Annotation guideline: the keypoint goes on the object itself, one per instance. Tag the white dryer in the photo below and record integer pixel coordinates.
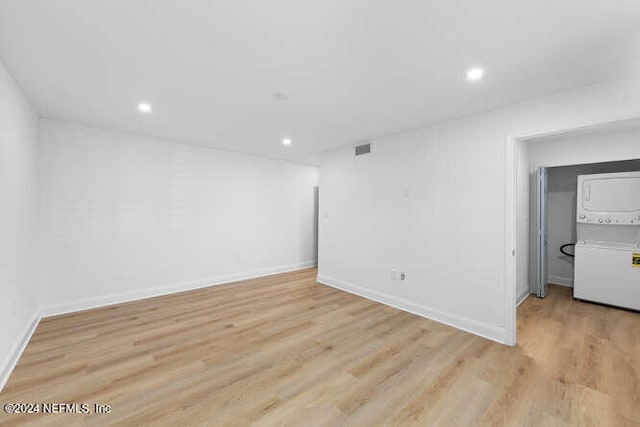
(607, 253)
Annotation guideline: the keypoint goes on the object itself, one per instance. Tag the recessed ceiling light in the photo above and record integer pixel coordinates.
(286, 141)
(475, 73)
(144, 107)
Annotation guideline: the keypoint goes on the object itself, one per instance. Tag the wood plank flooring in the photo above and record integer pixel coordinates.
(285, 350)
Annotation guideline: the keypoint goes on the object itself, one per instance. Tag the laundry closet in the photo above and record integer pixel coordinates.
(579, 214)
(593, 231)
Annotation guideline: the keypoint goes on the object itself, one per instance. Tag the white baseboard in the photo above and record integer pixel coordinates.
(476, 327)
(101, 301)
(523, 296)
(122, 297)
(562, 281)
(18, 348)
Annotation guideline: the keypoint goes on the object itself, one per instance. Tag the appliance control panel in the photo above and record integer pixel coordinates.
(604, 218)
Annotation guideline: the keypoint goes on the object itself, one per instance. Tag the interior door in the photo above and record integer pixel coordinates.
(316, 222)
(541, 229)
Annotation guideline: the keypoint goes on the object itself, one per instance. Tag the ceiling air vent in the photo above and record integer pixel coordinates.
(363, 149)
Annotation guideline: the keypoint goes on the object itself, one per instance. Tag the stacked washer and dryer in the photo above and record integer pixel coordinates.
(607, 251)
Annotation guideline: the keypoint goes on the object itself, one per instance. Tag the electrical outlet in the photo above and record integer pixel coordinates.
(394, 275)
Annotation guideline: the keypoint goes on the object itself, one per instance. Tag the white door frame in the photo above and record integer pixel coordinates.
(513, 144)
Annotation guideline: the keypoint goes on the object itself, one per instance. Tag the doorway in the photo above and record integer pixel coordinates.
(316, 222)
(594, 147)
(555, 209)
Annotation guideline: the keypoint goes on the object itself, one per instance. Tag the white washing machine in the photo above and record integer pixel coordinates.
(607, 253)
(605, 273)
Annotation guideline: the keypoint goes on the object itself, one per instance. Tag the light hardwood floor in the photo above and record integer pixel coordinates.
(285, 350)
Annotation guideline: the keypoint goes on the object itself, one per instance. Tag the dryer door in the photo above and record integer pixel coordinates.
(612, 198)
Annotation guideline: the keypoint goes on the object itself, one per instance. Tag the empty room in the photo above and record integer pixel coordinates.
(319, 213)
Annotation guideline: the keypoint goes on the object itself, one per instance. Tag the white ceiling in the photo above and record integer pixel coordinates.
(353, 69)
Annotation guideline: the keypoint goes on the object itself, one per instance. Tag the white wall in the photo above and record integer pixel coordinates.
(18, 208)
(561, 223)
(433, 202)
(583, 148)
(126, 216)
